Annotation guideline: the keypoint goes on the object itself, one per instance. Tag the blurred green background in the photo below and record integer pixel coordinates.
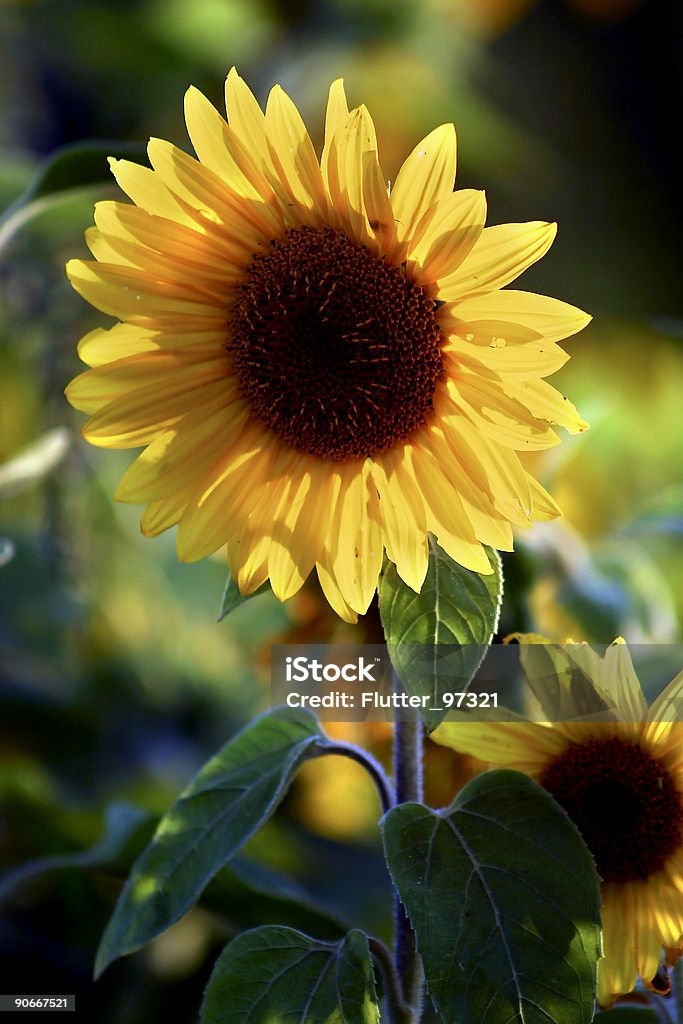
(116, 681)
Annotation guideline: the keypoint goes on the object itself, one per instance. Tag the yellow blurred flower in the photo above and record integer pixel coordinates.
(320, 370)
(621, 782)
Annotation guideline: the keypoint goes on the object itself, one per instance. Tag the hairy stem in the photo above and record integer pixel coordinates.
(408, 746)
(372, 766)
(399, 1013)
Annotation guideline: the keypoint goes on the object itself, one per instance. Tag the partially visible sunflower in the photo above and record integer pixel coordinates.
(319, 370)
(621, 782)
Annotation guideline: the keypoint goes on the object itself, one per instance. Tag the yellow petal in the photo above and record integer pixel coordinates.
(293, 155)
(447, 234)
(106, 345)
(169, 372)
(362, 196)
(332, 592)
(135, 419)
(620, 682)
(247, 223)
(545, 403)
(647, 939)
(248, 556)
(224, 499)
(551, 318)
(179, 457)
(502, 350)
(162, 515)
(487, 524)
(446, 517)
(215, 145)
(207, 249)
(504, 419)
(617, 971)
(125, 292)
(501, 254)
(336, 116)
(402, 511)
(273, 495)
(209, 278)
(523, 362)
(668, 913)
(300, 524)
(363, 182)
(523, 746)
(355, 538)
(105, 251)
(497, 472)
(377, 206)
(246, 118)
(148, 191)
(669, 704)
(426, 177)
(543, 507)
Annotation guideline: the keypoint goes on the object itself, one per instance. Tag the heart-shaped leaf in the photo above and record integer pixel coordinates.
(504, 900)
(438, 638)
(278, 974)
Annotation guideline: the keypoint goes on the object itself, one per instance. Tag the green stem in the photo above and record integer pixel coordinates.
(408, 746)
(399, 1013)
(677, 987)
(372, 766)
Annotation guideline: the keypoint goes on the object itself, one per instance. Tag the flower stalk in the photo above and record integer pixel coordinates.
(399, 1013)
(385, 790)
(408, 753)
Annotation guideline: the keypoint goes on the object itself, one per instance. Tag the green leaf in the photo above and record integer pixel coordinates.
(127, 829)
(504, 900)
(627, 1015)
(275, 974)
(233, 794)
(456, 608)
(73, 167)
(232, 598)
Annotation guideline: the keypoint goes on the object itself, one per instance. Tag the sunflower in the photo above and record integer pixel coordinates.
(620, 779)
(318, 369)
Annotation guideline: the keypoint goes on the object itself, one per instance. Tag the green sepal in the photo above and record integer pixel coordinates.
(232, 597)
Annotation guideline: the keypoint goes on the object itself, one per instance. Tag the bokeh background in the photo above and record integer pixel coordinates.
(116, 681)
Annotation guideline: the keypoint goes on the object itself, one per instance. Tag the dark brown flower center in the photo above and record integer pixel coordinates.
(336, 350)
(624, 803)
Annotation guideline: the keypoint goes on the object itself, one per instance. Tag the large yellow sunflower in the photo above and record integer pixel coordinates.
(320, 369)
(621, 782)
